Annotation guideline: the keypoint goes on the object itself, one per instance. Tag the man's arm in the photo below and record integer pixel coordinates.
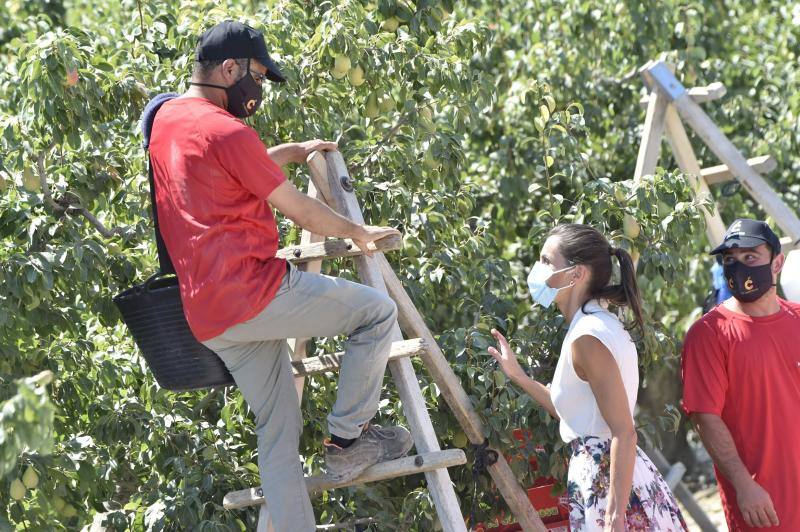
(315, 216)
(753, 500)
(297, 152)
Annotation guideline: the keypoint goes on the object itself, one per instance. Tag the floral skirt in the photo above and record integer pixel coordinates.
(651, 507)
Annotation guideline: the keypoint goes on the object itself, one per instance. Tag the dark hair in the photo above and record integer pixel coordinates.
(203, 69)
(583, 244)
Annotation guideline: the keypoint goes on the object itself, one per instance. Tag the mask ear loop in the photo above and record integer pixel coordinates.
(572, 282)
(246, 71)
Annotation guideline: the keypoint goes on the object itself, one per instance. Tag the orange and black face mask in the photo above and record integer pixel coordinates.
(244, 96)
(748, 283)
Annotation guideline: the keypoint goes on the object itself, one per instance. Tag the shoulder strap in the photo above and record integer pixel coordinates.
(148, 116)
(164, 261)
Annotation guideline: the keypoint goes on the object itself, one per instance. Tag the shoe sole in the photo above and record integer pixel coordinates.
(350, 475)
(401, 454)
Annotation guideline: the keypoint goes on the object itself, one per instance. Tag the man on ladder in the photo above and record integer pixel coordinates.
(741, 373)
(213, 179)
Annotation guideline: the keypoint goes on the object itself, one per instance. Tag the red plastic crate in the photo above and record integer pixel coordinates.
(553, 509)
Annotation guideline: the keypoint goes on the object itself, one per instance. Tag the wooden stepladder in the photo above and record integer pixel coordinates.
(669, 105)
(331, 184)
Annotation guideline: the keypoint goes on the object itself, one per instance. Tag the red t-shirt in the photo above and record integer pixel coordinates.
(747, 371)
(213, 176)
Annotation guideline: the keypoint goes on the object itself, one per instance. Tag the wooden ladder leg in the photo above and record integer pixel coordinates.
(264, 522)
(682, 493)
(297, 346)
(650, 148)
(332, 170)
(687, 162)
(413, 324)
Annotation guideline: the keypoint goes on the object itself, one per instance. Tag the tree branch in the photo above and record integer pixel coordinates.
(78, 207)
(48, 197)
(381, 143)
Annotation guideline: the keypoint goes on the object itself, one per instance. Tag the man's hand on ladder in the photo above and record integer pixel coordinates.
(369, 234)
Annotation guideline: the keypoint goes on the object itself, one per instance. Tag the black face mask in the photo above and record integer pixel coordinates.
(748, 283)
(244, 96)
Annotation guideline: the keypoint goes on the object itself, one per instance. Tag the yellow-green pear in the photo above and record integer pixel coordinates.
(30, 478)
(17, 490)
(356, 76)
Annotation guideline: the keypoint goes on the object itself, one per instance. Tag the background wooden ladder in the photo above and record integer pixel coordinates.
(331, 184)
(669, 105)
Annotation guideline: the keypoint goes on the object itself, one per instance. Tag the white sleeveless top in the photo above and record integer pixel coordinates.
(572, 396)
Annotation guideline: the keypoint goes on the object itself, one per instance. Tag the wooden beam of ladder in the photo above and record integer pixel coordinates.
(327, 363)
(335, 249)
(687, 161)
(721, 173)
(654, 125)
(330, 172)
(682, 493)
(662, 78)
(412, 322)
(408, 465)
(713, 91)
(297, 346)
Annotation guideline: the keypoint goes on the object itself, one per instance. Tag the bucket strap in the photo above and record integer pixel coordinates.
(165, 265)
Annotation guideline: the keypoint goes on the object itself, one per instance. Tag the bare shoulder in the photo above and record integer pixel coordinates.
(591, 357)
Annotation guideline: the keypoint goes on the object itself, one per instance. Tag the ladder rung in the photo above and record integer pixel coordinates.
(348, 525)
(408, 465)
(334, 249)
(713, 91)
(332, 362)
(721, 173)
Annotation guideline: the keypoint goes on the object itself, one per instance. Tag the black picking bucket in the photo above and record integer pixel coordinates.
(154, 314)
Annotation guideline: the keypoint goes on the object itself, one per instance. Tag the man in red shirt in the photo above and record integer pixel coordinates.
(214, 183)
(741, 376)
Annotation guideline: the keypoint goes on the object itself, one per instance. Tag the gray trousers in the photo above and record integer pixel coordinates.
(257, 355)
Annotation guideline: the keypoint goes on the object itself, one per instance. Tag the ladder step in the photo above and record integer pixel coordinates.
(334, 249)
(721, 173)
(409, 465)
(787, 245)
(332, 362)
(710, 92)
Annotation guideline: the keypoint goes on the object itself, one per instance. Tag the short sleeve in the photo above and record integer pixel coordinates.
(704, 371)
(245, 157)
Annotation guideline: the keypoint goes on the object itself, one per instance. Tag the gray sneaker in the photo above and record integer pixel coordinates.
(376, 444)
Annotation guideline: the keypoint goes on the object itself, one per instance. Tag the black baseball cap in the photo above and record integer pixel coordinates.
(234, 40)
(747, 233)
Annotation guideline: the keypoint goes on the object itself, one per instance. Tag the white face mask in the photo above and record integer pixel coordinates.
(537, 284)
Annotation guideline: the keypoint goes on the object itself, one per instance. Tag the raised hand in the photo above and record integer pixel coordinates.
(506, 357)
(310, 146)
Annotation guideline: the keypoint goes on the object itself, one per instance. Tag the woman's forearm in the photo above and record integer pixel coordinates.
(537, 390)
(623, 459)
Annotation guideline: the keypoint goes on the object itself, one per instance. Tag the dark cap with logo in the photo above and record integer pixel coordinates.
(747, 233)
(234, 40)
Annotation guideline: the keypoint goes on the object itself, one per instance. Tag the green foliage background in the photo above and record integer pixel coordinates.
(496, 121)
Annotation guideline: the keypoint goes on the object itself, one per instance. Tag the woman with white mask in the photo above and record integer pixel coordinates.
(612, 485)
